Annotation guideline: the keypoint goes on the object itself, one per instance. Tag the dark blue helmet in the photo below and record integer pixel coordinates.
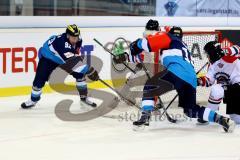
(176, 31)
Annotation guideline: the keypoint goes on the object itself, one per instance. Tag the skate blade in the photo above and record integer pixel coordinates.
(85, 105)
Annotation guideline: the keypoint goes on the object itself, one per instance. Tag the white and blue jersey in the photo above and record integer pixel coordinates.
(177, 59)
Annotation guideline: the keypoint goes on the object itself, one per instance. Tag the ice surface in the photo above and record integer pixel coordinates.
(37, 134)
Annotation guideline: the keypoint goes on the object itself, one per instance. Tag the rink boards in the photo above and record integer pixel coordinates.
(21, 40)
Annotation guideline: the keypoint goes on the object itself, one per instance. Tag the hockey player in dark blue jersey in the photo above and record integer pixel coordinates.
(179, 74)
(55, 52)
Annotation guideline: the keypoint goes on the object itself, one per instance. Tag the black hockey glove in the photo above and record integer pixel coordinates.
(135, 50)
(120, 58)
(92, 74)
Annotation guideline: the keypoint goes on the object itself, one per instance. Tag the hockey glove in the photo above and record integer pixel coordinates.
(120, 58)
(92, 74)
(134, 48)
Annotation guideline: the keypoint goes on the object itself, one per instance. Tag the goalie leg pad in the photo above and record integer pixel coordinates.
(216, 96)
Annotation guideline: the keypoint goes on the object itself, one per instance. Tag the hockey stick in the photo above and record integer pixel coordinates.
(73, 61)
(170, 103)
(119, 94)
(106, 49)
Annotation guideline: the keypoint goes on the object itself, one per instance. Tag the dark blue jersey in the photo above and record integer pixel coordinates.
(59, 49)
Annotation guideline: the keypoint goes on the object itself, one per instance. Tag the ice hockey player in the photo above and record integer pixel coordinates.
(179, 71)
(151, 28)
(224, 78)
(55, 52)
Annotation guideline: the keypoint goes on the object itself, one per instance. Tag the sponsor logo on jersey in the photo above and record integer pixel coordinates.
(68, 54)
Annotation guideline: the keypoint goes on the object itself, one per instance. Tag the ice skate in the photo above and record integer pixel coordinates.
(227, 124)
(28, 104)
(86, 100)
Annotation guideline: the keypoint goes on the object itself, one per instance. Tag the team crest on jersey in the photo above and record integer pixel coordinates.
(220, 65)
(222, 77)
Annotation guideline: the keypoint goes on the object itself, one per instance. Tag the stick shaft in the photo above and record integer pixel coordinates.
(119, 94)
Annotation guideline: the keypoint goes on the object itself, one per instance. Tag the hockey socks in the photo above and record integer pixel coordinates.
(36, 94)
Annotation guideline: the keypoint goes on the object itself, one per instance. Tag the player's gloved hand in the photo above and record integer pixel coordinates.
(120, 58)
(134, 48)
(92, 74)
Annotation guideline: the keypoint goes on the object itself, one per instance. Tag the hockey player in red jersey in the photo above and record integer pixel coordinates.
(224, 78)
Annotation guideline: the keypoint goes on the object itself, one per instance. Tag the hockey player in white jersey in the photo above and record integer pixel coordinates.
(224, 78)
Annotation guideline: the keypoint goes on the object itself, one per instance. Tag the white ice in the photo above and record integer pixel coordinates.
(37, 134)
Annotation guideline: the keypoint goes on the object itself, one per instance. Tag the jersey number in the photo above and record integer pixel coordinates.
(67, 45)
(186, 55)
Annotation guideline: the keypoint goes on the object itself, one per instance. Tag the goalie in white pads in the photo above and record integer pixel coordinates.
(224, 78)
